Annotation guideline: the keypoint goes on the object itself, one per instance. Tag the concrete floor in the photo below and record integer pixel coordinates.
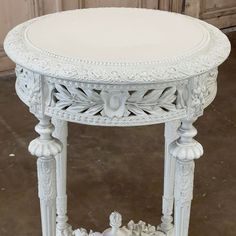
(121, 168)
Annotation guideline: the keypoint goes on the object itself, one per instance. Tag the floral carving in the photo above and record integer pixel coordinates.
(184, 179)
(198, 96)
(115, 103)
(132, 229)
(46, 178)
(104, 104)
(78, 100)
(203, 88)
(143, 229)
(64, 232)
(152, 101)
(83, 232)
(29, 84)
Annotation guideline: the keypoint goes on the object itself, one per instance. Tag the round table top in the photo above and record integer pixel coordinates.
(117, 35)
(117, 45)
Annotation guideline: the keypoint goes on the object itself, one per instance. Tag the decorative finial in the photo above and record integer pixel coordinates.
(115, 220)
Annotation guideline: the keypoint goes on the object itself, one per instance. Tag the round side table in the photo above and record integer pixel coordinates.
(116, 67)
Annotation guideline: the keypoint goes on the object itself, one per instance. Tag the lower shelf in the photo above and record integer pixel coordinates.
(132, 229)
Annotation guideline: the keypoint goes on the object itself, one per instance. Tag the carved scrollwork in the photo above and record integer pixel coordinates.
(116, 103)
(29, 88)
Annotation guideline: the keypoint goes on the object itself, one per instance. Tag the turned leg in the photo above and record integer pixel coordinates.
(61, 133)
(184, 150)
(45, 147)
(169, 178)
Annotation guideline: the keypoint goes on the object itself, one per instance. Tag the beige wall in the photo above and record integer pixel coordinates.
(12, 12)
(221, 13)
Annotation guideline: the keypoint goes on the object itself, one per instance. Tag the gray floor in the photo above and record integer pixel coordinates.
(121, 168)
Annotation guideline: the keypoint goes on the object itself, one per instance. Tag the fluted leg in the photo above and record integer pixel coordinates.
(169, 178)
(61, 132)
(45, 147)
(185, 150)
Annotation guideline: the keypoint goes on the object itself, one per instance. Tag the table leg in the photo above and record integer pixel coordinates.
(185, 150)
(61, 133)
(169, 178)
(45, 147)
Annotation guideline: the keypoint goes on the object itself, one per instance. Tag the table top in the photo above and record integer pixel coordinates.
(117, 35)
(117, 45)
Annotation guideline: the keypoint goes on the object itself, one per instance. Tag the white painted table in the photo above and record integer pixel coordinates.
(116, 67)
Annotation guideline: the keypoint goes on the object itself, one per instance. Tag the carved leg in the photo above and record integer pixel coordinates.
(61, 132)
(185, 150)
(45, 147)
(169, 178)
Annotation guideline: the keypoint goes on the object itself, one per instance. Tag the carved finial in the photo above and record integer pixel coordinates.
(115, 220)
(186, 148)
(45, 145)
(115, 223)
